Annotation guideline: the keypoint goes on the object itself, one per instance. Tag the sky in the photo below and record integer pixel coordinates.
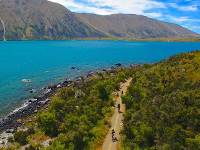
(183, 12)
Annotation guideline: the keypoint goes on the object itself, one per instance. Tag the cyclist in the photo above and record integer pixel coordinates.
(118, 106)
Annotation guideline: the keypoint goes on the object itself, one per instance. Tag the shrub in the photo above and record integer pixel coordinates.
(47, 122)
(21, 137)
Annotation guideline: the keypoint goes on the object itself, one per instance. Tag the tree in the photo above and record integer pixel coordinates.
(21, 137)
(47, 122)
(103, 93)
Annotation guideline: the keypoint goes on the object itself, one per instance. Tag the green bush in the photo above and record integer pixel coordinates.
(47, 122)
(163, 105)
(103, 93)
(21, 137)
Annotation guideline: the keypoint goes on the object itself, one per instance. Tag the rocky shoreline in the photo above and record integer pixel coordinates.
(29, 107)
(13, 120)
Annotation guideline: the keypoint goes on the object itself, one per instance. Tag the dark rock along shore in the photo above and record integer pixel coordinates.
(31, 106)
(11, 122)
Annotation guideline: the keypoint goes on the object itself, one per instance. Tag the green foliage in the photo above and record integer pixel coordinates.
(76, 115)
(193, 143)
(66, 93)
(21, 137)
(163, 104)
(47, 122)
(34, 147)
(57, 146)
(103, 93)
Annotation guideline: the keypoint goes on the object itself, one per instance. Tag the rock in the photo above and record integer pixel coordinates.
(32, 100)
(32, 90)
(73, 68)
(47, 142)
(59, 86)
(10, 131)
(90, 74)
(4, 137)
(52, 87)
(118, 65)
(112, 68)
(26, 80)
(44, 102)
(47, 91)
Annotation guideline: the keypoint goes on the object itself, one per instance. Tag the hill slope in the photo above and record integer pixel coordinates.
(40, 19)
(135, 26)
(163, 105)
(162, 110)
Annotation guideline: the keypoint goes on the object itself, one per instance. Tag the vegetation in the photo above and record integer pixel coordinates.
(162, 110)
(163, 104)
(194, 39)
(21, 136)
(77, 117)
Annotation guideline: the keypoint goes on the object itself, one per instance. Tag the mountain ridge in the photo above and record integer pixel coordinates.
(135, 26)
(41, 19)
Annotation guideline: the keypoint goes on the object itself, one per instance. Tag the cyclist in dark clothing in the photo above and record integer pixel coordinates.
(113, 131)
(113, 134)
(118, 106)
(114, 139)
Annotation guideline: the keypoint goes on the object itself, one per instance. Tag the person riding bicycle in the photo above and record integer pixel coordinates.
(114, 139)
(113, 131)
(118, 106)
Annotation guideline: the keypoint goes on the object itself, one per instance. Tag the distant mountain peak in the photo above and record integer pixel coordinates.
(41, 19)
(135, 26)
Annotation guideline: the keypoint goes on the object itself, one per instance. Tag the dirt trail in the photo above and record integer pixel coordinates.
(116, 120)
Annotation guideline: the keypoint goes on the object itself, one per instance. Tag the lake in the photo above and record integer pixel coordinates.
(49, 62)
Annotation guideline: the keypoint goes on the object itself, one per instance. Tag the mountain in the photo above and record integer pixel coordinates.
(134, 26)
(41, 19)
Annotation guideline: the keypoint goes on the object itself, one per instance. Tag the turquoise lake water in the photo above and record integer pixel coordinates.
(48, 62)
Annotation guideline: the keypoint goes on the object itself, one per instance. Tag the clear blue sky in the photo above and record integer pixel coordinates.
(182, 12)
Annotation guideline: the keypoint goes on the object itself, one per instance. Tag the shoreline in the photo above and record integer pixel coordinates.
(12, 121)
(175, 39)
(29, 107)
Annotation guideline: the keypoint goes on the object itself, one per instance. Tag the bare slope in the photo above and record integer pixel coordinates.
(135, 26)
(40, 19)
